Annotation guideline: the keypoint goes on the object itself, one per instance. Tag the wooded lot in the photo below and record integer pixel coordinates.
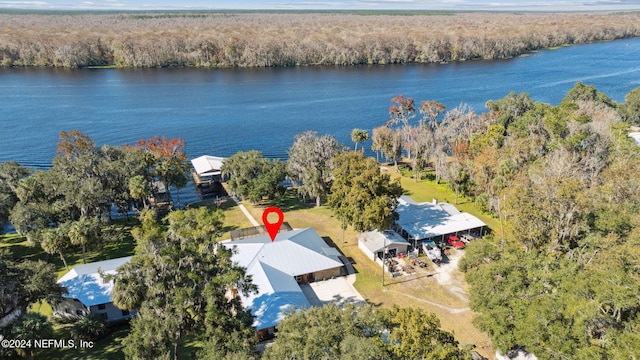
(228, 39)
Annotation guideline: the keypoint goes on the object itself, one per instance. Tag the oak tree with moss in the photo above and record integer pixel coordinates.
(178, 280)
(361, 195)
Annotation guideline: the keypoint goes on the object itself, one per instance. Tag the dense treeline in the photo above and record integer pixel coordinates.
(290, 39)
(563, 282)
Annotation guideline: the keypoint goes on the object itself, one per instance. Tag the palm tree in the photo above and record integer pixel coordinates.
(89, 328)
(53, 241)
(139, 188)
(31, 327)
(82, 232)
(358, 136)
(127, 294)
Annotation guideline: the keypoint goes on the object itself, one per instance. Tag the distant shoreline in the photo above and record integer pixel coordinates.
(204, 39)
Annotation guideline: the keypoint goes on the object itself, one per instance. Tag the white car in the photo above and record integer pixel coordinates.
(466, 238)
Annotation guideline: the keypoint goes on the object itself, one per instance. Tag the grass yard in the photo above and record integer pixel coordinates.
(109, 347)
(233, 217)
(424, 291)
(119, 242)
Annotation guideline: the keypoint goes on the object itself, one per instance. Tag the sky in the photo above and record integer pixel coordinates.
(540, 5)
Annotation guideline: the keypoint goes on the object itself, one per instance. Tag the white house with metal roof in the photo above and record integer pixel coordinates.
(278, 267)
(88, 293)
(433, 220)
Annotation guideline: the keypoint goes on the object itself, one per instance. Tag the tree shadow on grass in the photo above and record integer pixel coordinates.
(291, 201)
(11, 239)
(228, 228)
(223, 203)
(407, 278)
(23, 251)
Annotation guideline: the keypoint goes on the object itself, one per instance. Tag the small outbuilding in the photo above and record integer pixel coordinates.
(88, 293)
(374, 243)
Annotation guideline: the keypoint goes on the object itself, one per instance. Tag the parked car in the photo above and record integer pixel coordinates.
(466, 238)
(455, 242)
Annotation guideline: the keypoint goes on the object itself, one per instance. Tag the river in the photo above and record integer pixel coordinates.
(222, 111)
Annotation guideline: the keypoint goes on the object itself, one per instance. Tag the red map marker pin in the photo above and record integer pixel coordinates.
(272, 229)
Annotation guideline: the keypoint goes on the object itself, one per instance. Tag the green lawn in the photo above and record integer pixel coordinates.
(233, 217)
(119, 242)
(109, 347)
(299, 215)
(369, 274)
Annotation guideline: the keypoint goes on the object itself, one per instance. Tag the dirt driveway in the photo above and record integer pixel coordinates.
(442, 291)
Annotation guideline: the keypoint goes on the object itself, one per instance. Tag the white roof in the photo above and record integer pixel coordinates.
(84, 282)
(636, 137)
(273, 266)
(277, 293)
(375, 240)
(296, 252)
(428, 220)
(207, 165)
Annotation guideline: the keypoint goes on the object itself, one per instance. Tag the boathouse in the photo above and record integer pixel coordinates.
(207, 170)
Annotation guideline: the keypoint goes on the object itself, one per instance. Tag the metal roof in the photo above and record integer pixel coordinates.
(273, 266)
(428, 220)
(84, 282)
(277, 293)
(375, 240)
(296, 252)
(207, 165)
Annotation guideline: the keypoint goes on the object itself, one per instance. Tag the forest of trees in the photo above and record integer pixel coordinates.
(210, 39)
(563, 281)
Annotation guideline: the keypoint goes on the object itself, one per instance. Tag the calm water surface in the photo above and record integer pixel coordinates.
(222, 111)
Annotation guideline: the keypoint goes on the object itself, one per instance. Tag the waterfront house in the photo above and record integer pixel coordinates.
(278, 268)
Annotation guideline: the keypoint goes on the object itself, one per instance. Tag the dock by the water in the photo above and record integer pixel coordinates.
(207, 170)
